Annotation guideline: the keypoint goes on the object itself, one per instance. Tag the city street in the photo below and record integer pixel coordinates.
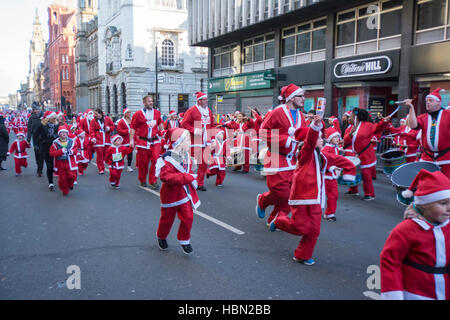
(111, 236)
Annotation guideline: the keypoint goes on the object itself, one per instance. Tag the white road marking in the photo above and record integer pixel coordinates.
(199, 213)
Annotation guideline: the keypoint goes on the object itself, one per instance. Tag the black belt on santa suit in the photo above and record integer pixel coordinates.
(428, 269)
(440, 153)
(152, 139)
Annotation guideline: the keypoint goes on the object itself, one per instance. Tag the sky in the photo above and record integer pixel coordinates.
(16, 29)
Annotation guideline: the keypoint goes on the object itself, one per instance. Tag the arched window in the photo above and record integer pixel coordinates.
(168, 53)
(108, 100)
(124, 96)
(116, 104)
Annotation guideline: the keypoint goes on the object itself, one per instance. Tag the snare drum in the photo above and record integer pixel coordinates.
(403, 176)
(358, 177)
(392, 160)
(237, 157)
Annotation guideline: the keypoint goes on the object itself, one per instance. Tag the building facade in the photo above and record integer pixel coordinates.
(354, 53)
(61, 54)
(86, 59)
(144, 49)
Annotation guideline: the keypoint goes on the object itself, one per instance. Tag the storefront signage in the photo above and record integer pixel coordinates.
(240, 83)
(363, 67)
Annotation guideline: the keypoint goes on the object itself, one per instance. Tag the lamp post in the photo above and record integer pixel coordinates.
(156, 74)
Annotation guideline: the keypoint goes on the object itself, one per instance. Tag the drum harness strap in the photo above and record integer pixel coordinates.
(363, 150)
(440, 154)
(428, 269)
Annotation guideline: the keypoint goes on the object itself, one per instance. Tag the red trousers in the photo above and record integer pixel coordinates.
(114, 176)
(186, 216)
(101, 152)
(82, 167)
(220, 175)
(202, 157)
(369, 190)
(331, 189)
(19, 163)
(305, 222)
(278, 195)
(66, 178)
(143, 159)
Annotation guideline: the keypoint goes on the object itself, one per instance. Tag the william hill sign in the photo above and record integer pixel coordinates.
(363, 67)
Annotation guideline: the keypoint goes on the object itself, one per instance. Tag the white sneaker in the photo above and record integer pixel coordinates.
(51, 186)
(130, 169)
(75, 183)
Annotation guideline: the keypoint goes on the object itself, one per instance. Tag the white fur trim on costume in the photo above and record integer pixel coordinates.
(432, 96)
(316, 128)
(349, 177)
(332, 136)
(159, 165)
(392, 295)
(296, 92)
(291, 131)
(433, 197)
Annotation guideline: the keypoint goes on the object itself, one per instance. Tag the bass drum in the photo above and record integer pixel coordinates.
(237, 157)
(402, 178)
(358, 177)
(392, 159)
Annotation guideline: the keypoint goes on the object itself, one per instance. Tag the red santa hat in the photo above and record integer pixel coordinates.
(125, 111)
(181, 115)
(291, 91)
(330, 133)
(431, 187)
(348, 114)
(63, 129)
(172, 112)
(282, 94)
(115, 137)
(50, 114)
(403, 120)
(20, 133)
(200, 95)
(435, 95)
(80, 133)
(175, 136)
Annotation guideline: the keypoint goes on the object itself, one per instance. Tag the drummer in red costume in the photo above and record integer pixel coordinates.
(360, 139)
(198, 120)
(435, 126)
(278, 130)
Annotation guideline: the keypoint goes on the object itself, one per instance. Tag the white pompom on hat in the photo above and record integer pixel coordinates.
(431, 187)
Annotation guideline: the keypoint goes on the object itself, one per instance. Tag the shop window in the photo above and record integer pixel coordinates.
(432, 20)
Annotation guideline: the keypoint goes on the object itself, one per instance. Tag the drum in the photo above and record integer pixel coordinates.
(392, 159)
(403, 176)
(358, 177)
(237, 157)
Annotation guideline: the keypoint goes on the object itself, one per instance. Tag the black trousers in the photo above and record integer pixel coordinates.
(45, 156)
(39, 160)
(130, 158)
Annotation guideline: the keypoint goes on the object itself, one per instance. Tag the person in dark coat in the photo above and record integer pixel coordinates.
(4, 142)
(44, 136)
(34, 122)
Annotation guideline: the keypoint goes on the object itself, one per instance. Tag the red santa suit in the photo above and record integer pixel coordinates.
(65, 162)
(278, 131)
(218, 165)
(178, 194)
(438, 151)
(242, 140)
(19, 149)
(411, 139)
(115, 159)
(307, 195)
(85, 125)
(170, 123)
(361, 143)
(199, 121)
(84, 155)
(146, 124)
(415, 261)
(101, 132)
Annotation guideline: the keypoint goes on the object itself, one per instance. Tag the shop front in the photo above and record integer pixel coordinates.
(368, 82)
(238, 93)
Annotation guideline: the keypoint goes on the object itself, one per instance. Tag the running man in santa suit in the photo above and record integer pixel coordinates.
(435, 126)
(278, 130)
(146, 126)
(198, 120)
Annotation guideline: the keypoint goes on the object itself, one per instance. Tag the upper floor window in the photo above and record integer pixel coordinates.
(168, 53)
(432, 21)
(304, 43)
(259, 49)
(372, 27)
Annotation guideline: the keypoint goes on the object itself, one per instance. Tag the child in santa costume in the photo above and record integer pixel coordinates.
(307, 195)
(19, 149)
(64, 151)
(332, 174)
(124, 129)
(178, 191)
(84, 155)
(115, 156)
(101, 128)
(415, 261)
(218, 166)
(172, 122)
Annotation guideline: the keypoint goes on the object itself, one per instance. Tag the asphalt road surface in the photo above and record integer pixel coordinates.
(110, 237)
